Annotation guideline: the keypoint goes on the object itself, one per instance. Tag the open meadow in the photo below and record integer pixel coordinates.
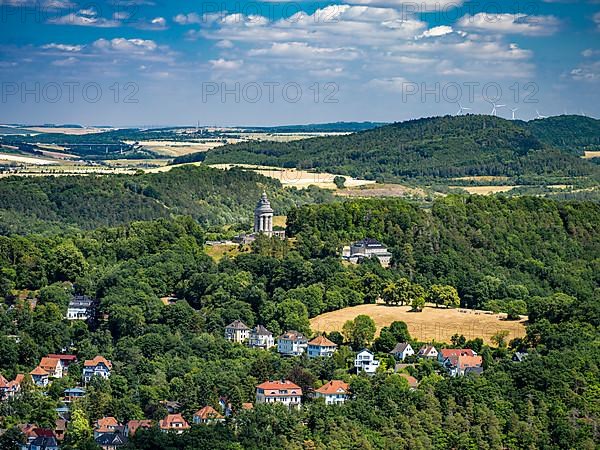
(432, 324)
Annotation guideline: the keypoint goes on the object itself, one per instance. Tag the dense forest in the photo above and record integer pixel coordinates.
(539, 252)
(440, 147)
(210, 196)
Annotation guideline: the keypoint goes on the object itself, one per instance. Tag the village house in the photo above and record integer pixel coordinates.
(367, 248)
(292, 343)
(133, 425)
(260, 337)
(321, 347)
(66, 360)
(365, 361)
(53, 366)
(445, 353)
(10, 389)
(105, 425)
(175, 423)
(413, 383)
(207, 415)
(280, 391)
(39, 377)
(111, 441)
(460, 361)
(402, 350)
(335, 392)
(72, 394)
(171, 406)
(38, 438)
(97, 367)
(43, 443)
(81, 307)
(519, 356)
(428, 351)
(237, 331)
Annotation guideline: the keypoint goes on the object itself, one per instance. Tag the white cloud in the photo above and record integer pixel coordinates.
(442, 30)
(303, 51)
(510, 24)
(64, 47)
(411, 7)
(85, 18)
(223, 64)
(589, 52)
(225, 43)
(135, 46)
(586, 72)
(65, 62)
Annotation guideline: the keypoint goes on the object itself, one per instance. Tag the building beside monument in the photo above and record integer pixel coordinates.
(367, 248)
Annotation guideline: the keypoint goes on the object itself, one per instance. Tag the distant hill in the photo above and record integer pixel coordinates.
(209, 195)
(335, 127)
(439, 147)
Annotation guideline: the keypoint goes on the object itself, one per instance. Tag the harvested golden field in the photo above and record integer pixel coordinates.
(485, 190)
(432, 324)
(218, 251)
(279, 221)
(72, 131)
(179, 148)
(590, 155)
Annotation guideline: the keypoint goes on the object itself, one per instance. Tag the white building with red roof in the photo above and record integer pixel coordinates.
(321, 347)
(53, 366)
(97, 367)
(335, 392)
(280, 391)
(208, 415)
(175, 423)
(10, 389)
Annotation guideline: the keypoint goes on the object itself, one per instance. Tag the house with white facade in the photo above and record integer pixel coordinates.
(40, 377)
(260, 337)
(81, 307)
(335, 392)
(365, 361)
(97, 367)
(292, 343)
(402, 350)
(367, 248)
(321, 347)
(428, 351)
(53, 366)
(280, 391)
(237, 331)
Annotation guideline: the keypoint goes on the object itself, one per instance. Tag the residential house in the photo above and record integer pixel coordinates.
(66, 360)
(237, 331)
(445, 353)
(134, 425)
(97, 367)
(519, 356)
(462, 361)
(39, 376)
(10, 389)
(43, 443)
(365, 361)
(53, 366)
(292, 343)
(367, 248)
(171, 406)
(207, 415)
(105, 425)
(335, 392)
(428, 351)
(111, 441)
(280, 391)
(175, 423)
(413, 383)
(81, 307)
(260, 337)
(402, 350)
(72, 394)
(321, 347)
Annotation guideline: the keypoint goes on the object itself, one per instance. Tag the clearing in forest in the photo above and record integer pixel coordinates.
(432, 324)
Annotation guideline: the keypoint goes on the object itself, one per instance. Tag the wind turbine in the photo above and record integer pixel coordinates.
(461, 108)
(513, 112)
(539, 116)
(494, 112)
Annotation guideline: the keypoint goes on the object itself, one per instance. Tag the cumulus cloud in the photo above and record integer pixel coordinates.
(411, 7)
(63, 47)
(85, 18)
(510, 24)
(303, 51)
(223, 64)
(139, 46)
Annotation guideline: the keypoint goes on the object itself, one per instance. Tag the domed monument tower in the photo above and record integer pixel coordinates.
(263, 216)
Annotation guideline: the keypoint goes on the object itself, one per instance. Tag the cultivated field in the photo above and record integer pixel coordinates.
(589, 155)
(298, 178)
(432, 324)
(382, 190)
(179, 148)
(484, 190)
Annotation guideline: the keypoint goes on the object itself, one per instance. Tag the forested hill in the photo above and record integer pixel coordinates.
(449, 146)
(210, 196)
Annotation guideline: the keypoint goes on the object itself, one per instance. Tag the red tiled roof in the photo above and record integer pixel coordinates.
(38, 371)
(168, 423)
(334, 387)
(106, 424)
(322, 341)
(70, 358)
(448, 352)
(412, 381)
(292, 335)
(469, 361)
(279, 388)
(133, 425)
(247, 406)
(3, 382)
(208, 412)
(97, 360)
(49, 363)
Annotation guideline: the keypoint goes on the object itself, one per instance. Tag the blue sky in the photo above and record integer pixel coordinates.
(144, 62)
